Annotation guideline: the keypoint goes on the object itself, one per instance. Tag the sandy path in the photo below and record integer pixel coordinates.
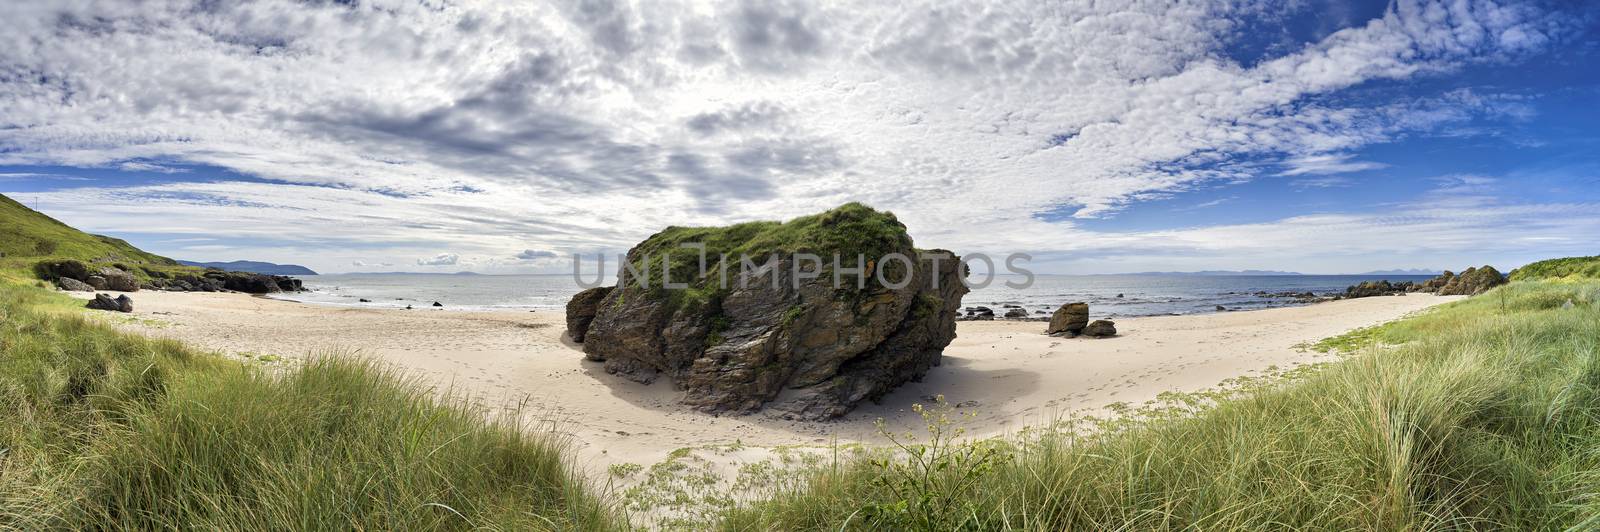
(1015, 375)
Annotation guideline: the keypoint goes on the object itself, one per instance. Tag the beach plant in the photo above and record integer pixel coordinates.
(101, 429)
(1480, 414)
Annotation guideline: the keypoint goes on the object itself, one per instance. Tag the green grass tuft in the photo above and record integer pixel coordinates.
(105, 430)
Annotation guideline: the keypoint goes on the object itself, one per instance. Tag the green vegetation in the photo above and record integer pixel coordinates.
(851, 229)
(1570, 268)
(105, 430)
(28, 237)
(1482, 414)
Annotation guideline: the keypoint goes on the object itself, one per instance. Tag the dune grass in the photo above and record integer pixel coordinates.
(1568, 268)
(1482, 414)
(105, 430)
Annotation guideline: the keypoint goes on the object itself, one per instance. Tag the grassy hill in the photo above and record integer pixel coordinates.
(1570, 268)
(28, 236)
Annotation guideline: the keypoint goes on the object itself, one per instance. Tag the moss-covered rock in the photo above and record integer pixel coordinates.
(736, 336)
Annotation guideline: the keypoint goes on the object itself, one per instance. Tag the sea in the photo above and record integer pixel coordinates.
(1108, 295)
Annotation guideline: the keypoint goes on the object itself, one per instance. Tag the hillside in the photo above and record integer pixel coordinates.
(28, 236)
(1563, 268)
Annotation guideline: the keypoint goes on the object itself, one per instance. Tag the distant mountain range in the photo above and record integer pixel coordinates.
(1219, 272)
(253, 267)
(1413, 271)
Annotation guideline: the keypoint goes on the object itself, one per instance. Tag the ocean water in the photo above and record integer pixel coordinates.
(1140, 295)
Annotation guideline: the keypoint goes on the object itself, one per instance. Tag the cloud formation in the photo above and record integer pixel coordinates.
(585, 125)
(442, 259)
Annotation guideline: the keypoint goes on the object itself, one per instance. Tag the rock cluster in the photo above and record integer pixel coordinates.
(1378, 288)
(804, 347)
(1072, 320)
(1472, 281)
(73, 275)
(122, 303)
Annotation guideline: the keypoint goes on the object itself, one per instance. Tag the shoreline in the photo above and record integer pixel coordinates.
(1008, 373)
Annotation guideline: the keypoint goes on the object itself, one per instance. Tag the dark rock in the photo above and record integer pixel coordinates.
(1433, 285)
(73, 285)
(1371, 289)
(1473, 281)
(438, 304)
(364, 300)
(104, 302)
(51, 270)
(119, 280)
(808, 350)
(1119, 296)
(1100, 329)
(1070, 317)
(96, 281)
(408, 307)
(581, 310)
(1016, 313)
(1221, 308)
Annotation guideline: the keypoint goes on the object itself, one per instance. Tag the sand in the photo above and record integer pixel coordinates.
(1007, 373)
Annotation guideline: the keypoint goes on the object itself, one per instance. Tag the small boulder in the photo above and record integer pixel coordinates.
(438, 304)
(1100, 329)
(1016, 313)
(1221, 308)
(104, 302)
(1071, 317)
(365, 300)
(73, 285)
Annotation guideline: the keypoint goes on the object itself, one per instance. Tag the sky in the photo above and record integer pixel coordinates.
(1098, 137)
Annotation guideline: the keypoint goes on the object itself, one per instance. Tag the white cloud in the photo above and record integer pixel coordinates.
(442, 259)
(488, 126)
(1326, 164)
(534, 254)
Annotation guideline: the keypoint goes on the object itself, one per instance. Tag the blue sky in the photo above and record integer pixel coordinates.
(1321, 137)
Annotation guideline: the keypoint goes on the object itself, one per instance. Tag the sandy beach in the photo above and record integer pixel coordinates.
(1008, 373)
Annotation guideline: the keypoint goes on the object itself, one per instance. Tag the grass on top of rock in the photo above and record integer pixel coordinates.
(849, 230)
(101, 429)
(1570, 268)
(1481, 414)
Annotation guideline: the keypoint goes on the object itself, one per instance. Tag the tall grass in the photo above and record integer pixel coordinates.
(1481, 414)
(100, 429)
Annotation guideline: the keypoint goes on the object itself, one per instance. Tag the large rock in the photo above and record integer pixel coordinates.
(1473, 281)
(1433, 285)
(1070, 318)
(118, 280)
(104, 302)
(581, 310)
(1371, 289)
(1100, 329)
(806, 348)
(73, 285)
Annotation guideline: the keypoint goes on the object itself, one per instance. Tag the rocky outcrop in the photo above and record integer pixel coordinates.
(1433, 285)
(122, 303)
(1070, 318)
(768, 338)
(581, 310)
(73, 285)
(1100, 329)
(1473, 281)
(1377, 288)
